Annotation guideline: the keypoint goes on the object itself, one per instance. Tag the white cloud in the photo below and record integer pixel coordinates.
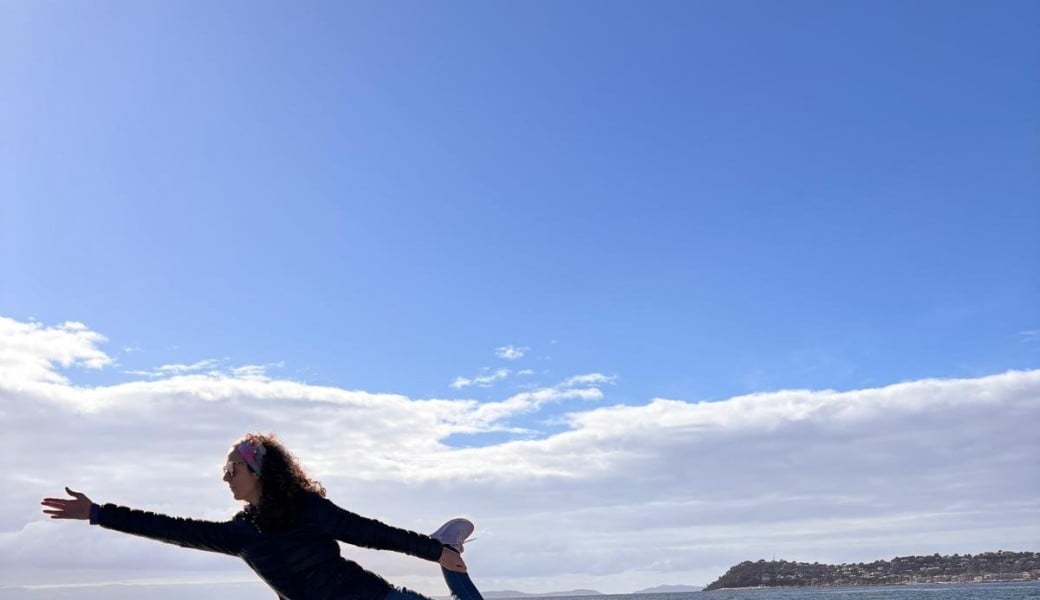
(620, 497)
(510, 352)
(589, 379)
(1030, 335)
(486, 380)
(202, 365)
(256, 371)
(32, 351)
(210, 365)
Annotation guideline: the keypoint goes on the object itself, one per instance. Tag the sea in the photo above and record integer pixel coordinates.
(974, 591)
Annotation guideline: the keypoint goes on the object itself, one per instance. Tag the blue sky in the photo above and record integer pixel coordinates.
(690, 200)
(703, 198)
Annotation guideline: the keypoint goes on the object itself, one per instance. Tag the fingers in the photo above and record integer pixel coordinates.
(69, 491)
(57, 512)
(59, 501)
(452, 561)
(56, 507)
(64, 508)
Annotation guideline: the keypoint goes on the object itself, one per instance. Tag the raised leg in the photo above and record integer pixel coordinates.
(401, 593)
(461, 585)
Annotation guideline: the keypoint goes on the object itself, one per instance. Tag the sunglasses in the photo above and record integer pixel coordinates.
(229, 467)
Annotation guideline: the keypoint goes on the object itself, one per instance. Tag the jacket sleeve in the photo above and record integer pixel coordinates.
(224, 537)
(354, 529)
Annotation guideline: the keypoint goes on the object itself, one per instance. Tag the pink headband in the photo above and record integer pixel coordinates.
(252, 452)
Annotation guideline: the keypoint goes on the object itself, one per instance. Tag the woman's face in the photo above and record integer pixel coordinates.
(244, 484)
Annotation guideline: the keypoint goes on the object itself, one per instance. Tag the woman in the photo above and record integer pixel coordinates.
(288, 530)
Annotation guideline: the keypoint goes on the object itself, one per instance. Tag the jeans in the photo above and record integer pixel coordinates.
(460, 584)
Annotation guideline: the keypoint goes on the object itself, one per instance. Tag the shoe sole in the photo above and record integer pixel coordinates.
(467, 527)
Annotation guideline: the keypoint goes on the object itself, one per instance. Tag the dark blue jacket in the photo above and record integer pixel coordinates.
(300, 563)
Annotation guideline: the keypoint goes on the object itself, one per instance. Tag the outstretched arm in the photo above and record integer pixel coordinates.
(369, 533)
(225, 537)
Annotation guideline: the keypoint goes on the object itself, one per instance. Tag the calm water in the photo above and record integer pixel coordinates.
(252, 591)
(978, 591)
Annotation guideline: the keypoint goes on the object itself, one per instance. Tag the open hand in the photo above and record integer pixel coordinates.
(452, 561)
(61, 508)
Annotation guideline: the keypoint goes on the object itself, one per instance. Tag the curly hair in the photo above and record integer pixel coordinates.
(284, 484)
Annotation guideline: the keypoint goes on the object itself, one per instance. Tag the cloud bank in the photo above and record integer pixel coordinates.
(612, 496)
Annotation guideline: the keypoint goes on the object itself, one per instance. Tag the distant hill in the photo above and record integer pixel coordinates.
(499, 594)
(658, 589)
(989, 566)
(669, 589)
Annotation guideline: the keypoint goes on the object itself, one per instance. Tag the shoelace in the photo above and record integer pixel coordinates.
(458, 547)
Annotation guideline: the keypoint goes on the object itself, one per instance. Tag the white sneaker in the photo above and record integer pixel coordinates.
(454, 533)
